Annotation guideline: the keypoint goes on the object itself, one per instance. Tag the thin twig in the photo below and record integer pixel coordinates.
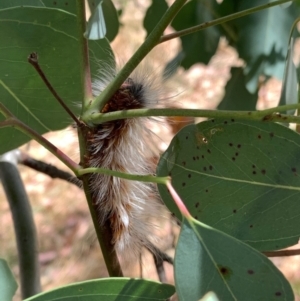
(33, 60)
(218, 21)
(48, 169)
(282, 253)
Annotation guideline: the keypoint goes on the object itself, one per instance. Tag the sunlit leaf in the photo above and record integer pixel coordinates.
(8, 284)
(240, 177)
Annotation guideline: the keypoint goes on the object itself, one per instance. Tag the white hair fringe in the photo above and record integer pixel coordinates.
(125, 145)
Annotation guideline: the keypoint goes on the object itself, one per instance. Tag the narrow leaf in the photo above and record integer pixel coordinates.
(289, 91)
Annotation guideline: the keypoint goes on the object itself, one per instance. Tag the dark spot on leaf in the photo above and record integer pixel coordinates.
(253, 166)
(206, 190)
(232, 120)
(208, 151)
(170, 173)
(54, 2)
(66, 3)
(284, 118)
(234, 210)
(198, 147)
(225, 122)
(294, 169)
(271, 135)
(254, 172)
(202, 156)
(195, 216)
(225, 271)
(210, 167)
(186, 137)
(212, 120)
(278, 294)
(80, 289)
(233, 158)
(259, 136)
(236, 154)
(249, 113)
(204, 168)
(204, 140)
(250, 272)
(183, 163)
(239, 146)
(197, 157)
(189, 175)
(263, 171)
(251, 226)
(194, 158)
(197, 205)
(230, 144)
(183, 184)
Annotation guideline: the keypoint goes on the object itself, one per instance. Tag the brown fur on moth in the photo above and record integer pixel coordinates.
(125, 145)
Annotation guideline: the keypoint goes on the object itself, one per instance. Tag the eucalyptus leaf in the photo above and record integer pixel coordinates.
(53, 35)
(237, 97)
(289, 91)
(209, 260)
(8, 284)
(110, 289)
(240, 177)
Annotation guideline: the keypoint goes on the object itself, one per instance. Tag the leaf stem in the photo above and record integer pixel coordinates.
(118, 174)
(269, 115)
(84, 49)
(152, 40)
(33, 60)
(220, 20)
(282, 253)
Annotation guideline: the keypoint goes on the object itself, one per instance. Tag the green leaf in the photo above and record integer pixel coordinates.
(8, 284)
(289, 91)
(240, 177)
(200, 46)
(53, 35)
(110, 15)
(263, 48)
(209, 260)
(237, 97)
(111, 289)
(15, 3)
(154, 14)
(66, 5)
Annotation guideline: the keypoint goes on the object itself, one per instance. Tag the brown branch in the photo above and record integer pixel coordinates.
(48, 169)
(33, 60)
(282, 253)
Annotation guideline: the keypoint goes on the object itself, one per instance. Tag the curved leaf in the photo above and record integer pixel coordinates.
(8, 284)
(53, 35)
(263, 40)
(154, 14)
(237, 97)
(111, 289)
(200, 46)
(209, 260)
(240, 177)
